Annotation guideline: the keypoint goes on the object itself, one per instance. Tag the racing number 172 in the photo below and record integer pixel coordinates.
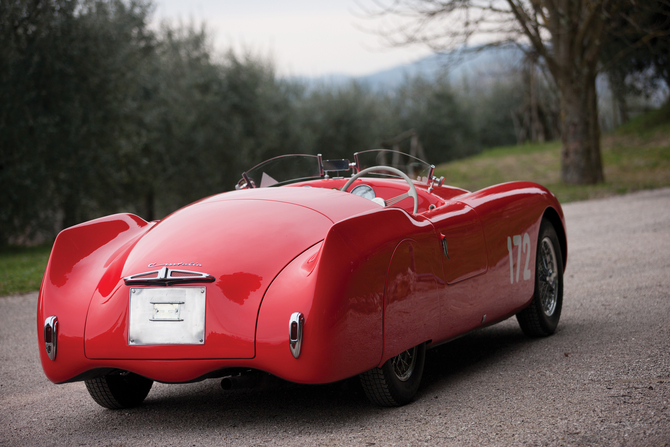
(524, 245)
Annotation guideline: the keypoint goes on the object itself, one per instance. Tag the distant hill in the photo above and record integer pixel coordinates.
(455, 65)
(484, 67)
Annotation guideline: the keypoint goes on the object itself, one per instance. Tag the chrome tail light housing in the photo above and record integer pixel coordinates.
(295, 327)
(51, 336)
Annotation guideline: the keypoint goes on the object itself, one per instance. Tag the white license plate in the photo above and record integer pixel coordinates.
(167, 316)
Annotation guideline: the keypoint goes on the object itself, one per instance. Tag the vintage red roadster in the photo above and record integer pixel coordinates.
(312, 271)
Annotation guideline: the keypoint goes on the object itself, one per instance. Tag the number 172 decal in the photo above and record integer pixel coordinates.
(523, 244)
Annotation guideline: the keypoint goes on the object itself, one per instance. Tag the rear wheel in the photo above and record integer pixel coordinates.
(397, 381)
(116, 391)
(541, 316)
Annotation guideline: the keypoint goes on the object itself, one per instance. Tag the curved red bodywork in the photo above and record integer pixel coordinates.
(370, 281)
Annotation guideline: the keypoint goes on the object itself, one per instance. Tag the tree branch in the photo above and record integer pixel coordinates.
(591, 27)
(535, 38)
(630, 48)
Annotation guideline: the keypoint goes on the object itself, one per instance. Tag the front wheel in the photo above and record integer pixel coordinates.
(541, 316)
(116, 391)
(397, 381)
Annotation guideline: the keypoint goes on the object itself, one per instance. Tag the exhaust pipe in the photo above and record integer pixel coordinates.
(243, 380)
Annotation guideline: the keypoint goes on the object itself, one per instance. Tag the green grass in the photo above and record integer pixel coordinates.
(647, 124)
(636, 156)
(21, 268)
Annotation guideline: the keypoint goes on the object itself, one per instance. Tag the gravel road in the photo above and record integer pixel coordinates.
(602, 379)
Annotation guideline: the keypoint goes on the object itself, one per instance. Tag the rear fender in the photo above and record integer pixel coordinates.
(342, 300)
(412, 297)
(555, 216)
(356, 279)
(84, 258)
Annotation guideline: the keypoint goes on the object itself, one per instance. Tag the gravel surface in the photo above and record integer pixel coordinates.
(602, 379)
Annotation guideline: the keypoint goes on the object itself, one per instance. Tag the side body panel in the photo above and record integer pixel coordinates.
(465, 264)
(460, 228)
(510, 214)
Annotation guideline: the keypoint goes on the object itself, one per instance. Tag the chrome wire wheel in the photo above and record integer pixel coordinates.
(403, 364)
(540, 317)
(396, 382)
(548, 281)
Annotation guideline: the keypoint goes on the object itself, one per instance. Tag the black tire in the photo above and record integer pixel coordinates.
(116, 391)
(397, 381)
(541, 316)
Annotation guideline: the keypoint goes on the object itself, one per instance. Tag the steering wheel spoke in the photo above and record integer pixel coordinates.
(397, 199)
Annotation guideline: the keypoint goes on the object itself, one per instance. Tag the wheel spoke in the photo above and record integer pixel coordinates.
(403, 364)
(547, 276)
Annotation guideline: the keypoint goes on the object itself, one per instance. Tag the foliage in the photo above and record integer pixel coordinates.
(100, 114)
(636, 53)
(649, 124)
(338, 121)
(67, 71)
(202, 122)
(432, 108)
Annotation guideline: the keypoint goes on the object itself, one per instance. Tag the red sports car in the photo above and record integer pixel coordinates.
(301, 273)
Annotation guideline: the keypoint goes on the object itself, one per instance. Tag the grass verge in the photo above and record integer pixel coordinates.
(21, 268)
(635, 157)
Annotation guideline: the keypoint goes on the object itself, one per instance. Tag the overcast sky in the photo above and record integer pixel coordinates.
(302, 37)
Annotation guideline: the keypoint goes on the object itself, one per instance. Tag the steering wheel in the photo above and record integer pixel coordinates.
(411, 192)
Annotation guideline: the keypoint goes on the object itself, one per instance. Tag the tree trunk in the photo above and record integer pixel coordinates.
(70, 209)
(537, 128)
(149, 205)
(617, 80)
(580, 156)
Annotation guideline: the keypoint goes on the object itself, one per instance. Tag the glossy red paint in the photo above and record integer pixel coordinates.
(370, 281)
(81, 262)
(244, 268)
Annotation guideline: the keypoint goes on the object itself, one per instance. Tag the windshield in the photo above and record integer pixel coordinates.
(281, 170)
(415, 168)
(293, 168)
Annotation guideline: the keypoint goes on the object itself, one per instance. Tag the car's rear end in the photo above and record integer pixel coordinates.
(182, 299)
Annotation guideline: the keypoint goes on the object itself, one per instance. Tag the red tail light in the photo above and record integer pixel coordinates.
(48, 332)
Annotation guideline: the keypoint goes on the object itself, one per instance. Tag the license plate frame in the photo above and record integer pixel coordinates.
(167, 316)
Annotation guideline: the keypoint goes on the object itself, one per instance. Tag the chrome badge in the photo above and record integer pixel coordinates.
(167, 277)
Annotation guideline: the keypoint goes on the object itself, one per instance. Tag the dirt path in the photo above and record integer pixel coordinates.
(602, 379)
